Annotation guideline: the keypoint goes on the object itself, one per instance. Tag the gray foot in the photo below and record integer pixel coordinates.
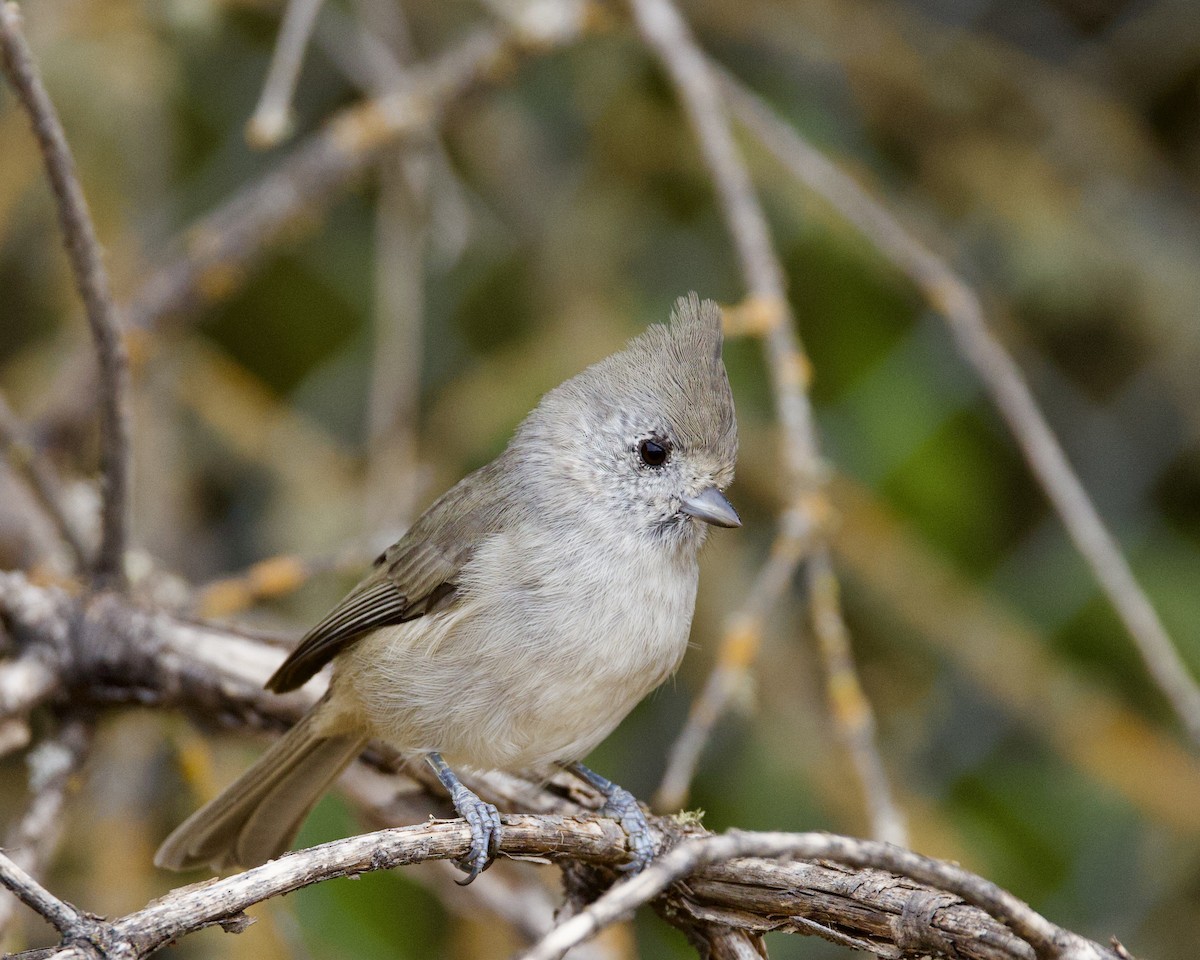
(482, 817)
(623, 807)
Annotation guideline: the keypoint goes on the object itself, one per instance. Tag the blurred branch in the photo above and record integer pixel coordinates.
(665, 31)
(91, 280)
(223, 247)
(42, 480)
(1008, 662)
(371, 50)
(25, 682)
(271, 579)
(30, 843)
(401, 242)
(735, 656)
(963, 312)
(271, 121)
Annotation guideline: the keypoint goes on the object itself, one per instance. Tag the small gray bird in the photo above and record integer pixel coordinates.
(524, 614)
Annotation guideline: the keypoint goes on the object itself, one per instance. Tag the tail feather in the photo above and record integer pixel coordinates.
(258, 816)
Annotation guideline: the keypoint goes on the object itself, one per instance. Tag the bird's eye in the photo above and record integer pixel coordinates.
(653, 452)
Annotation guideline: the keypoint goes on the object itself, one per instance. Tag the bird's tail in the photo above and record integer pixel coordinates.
(258, 816)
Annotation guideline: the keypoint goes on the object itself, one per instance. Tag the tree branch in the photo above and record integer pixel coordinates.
(272, 118)
(894, 906)
(31, 842)
(109, 651)
(1048, 941)
(221, 248)
(42, 480)
(25, 888)
(91, 279)
(665, 31)
(959, 305)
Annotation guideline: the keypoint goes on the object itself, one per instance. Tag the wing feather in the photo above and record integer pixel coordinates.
(415, 576)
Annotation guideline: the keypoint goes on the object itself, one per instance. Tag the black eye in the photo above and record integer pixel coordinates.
(653, 453)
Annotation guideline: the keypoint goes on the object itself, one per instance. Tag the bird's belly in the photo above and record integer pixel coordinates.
(541, 672)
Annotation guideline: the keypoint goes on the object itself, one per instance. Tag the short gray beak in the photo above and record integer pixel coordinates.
(711, 506)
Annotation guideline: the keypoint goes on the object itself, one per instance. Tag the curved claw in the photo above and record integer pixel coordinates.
(481, 817)
(623, 807)
(484, 820)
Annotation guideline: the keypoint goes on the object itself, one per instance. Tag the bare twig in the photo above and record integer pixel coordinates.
(91, 279)
(401, 243)
(372, 50)
(31, 841)
(1049, 942)
(668, 35)
(61, 914)
(1008, 661)
(273, 577)
(737, 652)
(271, 121)
(963, 312)
(42, 480)
(223, 246)
(283, 574)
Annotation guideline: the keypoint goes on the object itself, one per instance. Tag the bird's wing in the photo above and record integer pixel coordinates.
(415, 576)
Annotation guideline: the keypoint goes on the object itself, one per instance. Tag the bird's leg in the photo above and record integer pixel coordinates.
(481, 817)
(623, 807)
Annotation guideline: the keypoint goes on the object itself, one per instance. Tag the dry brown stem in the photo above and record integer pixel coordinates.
(960, 306)
(272, 118)
(91, 279)
(221, 249)
(665, 31)
(42, 479)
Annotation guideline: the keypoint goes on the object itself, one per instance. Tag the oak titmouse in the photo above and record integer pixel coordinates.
(525, 613)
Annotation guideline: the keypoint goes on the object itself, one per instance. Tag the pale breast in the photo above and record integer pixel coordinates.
(556, 640)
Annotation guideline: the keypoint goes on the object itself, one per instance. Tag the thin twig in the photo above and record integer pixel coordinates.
(1007, 661)
(42, 480)
(1048, 941)
(401, 244)
(372, 50)
(58, 912)
(665, 31)
(958, 303)
(271, 121)
(285, 573)
(223, 247)
(31, 841)
(91, 280)
(736, 654)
